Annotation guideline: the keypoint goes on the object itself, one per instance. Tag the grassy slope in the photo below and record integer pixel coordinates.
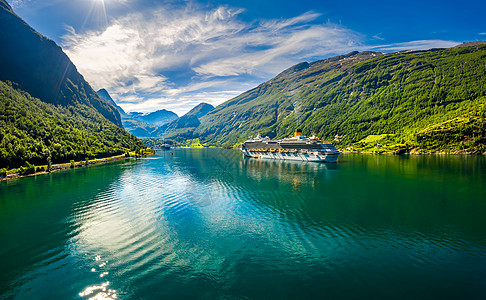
(405, 95)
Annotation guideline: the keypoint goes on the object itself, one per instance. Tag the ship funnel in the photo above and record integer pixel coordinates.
(298, 133)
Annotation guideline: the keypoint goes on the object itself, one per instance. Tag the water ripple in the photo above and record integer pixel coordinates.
(194, 225)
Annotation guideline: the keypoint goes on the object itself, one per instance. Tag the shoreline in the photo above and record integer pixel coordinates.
(98, 161)
(64, 166)
(411, 153)
(356, 152)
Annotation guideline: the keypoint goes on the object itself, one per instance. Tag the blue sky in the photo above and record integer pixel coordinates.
(152, 54)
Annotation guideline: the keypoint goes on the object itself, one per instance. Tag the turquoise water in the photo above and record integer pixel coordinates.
(210, 224)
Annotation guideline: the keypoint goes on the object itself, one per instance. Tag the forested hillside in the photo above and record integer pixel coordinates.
(425, 101)
(42, 69)
(48, 112)
(37, 132)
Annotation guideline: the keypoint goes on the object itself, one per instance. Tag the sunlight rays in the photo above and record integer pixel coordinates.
(96, 15)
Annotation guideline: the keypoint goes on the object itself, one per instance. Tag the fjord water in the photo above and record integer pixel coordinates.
(211, 224)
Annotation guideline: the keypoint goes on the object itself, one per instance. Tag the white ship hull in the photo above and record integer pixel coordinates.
(310, 156)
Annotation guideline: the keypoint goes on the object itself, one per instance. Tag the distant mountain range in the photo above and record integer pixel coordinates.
(410, 101)
(183, 126)
(48, 112)
(157, 118)
(146, 125)
(156, 123)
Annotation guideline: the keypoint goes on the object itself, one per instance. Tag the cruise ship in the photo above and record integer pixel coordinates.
(296, 148)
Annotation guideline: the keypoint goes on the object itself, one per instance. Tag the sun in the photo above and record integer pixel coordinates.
(102, 2)
(96, 16)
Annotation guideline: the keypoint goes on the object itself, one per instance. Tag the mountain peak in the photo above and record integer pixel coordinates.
(6, 6)
(158, 118)
(476, 43)
(296, 68)
(102, 91)
(200, 110)
(106, 96)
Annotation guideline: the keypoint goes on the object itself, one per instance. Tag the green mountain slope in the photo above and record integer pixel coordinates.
(183, 127)
(200, 110)
(279, 100)
(106, 96)
(34, 131)
(42, 69)
(405, 96)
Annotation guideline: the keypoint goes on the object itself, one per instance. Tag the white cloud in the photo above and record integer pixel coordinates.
(414, 45)
(482, 33)
(213, 54)
(134, 55)
(17, 3)
(378, 37)
(280, 51)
